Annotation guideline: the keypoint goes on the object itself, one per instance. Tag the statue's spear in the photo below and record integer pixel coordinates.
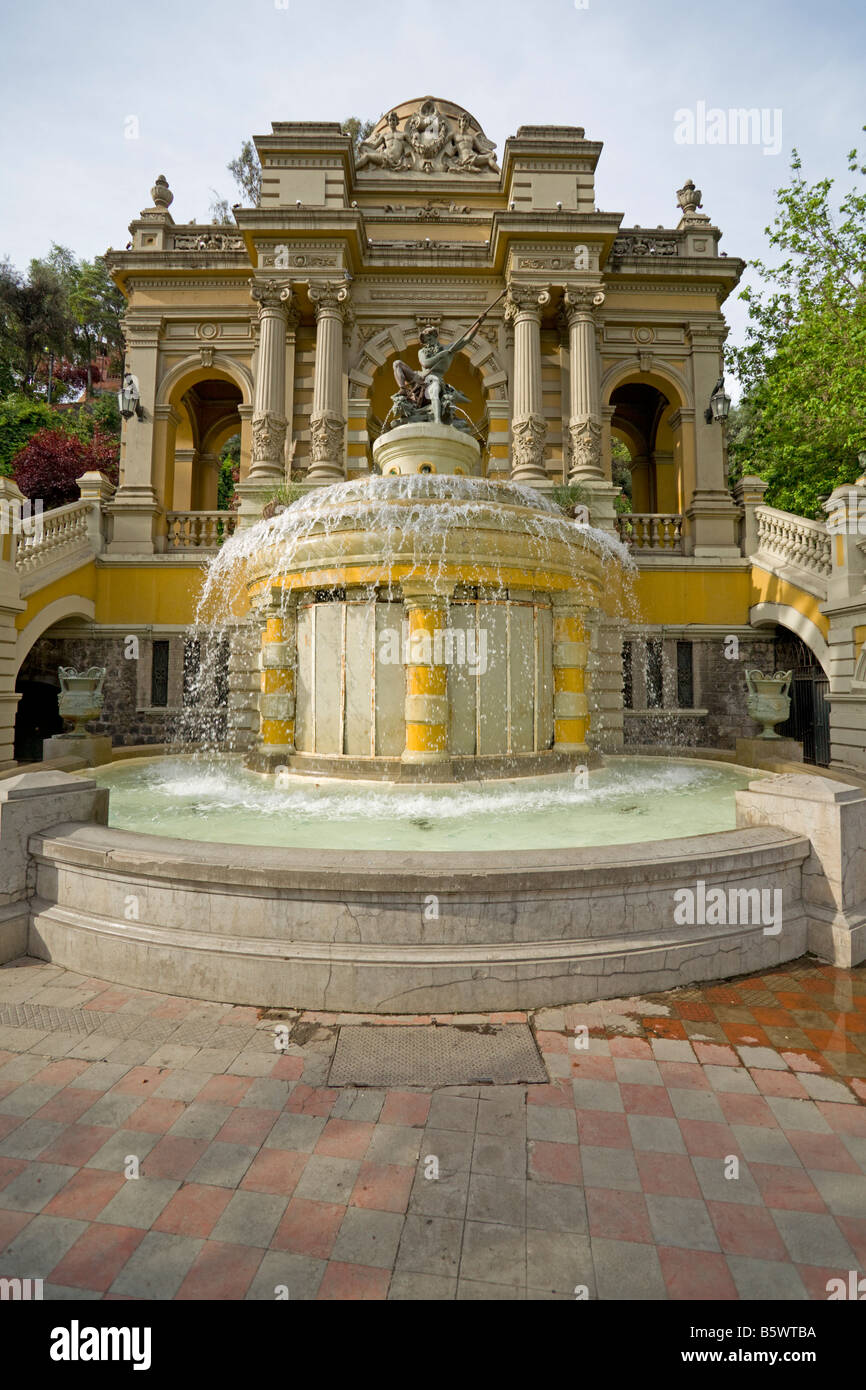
(478, 322)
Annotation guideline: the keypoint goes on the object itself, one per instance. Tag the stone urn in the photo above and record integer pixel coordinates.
(769, 702)
(80, 697)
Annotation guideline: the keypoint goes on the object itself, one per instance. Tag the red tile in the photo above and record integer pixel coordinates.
(248, 1125)
(97, 1257)
(603, 1129)
(68, 1105)
(275, 1170)
(76, 1145)
(156, 1116)
(667, 1175)
(747, 1230)
(685, 1076)
(221, 1271)
(722, 994)
(11, 1222)
(383, 1187)
(741, 1109)
(805, 1061)
(10, 1168)
(551, 1162)
(618, 1215)
(194, 1210)
(560, 1096)
(345, 1139)
(645, 1100)
(830, 1040)
(822, 1151)
(173, 1157)
(358, 1283)
(552, 1042)
(288, 1068)
(708, 1139)
(844, 1119)
(746, 1035)
(311, 1100)
(854, 1230)
(665, 1028)
(8, 1123)
(778, 1083)
(140, 1081)
(715, 1054)
(591, 1068)
(858, 1085)
(309, 1228)
(696, 1275)
(695, 1013)
(786, 1189)
(86, 1193)
(60, 1073)
(817, 1280)
(638, 1049)
(225, 1090)
(773, 1018)
(405, 1108)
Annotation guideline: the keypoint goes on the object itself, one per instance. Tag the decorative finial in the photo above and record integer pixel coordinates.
(161, 193)
(689, 198)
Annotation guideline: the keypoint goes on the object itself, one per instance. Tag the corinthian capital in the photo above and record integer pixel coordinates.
(582, 300)
(329, 295)
(526, 299)
(271, 294)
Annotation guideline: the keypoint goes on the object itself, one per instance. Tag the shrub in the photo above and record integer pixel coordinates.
(48, 465)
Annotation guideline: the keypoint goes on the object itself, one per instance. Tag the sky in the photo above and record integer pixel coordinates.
(189, 80)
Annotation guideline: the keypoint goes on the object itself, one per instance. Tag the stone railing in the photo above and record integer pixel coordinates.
(794, 542)
(652, 531)
(53, 535)
(198, 530)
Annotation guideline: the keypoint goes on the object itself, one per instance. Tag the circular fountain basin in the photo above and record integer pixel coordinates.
(216, 799)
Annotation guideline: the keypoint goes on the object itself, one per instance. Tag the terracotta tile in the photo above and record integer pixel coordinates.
(311, 1100)
(248, 1125)
(309, 1228)
(156, 1116)
(636, 1048)
(816, 1279)
(822, 1151)
(405, 1108)
(60, 1073)
(685, 1076)
(778, 1083)
(288, 1069)
(603, 1129)
(552, 1042)
(552, 1162)
(225, 1090)
(746, 1110)
(853, 1229)
(277, 1171)
(173, 1157)
(383, 1187)
(8, 1123)
(139, 1081)
(808, 1061)
(845, 1119)
(665, 1028)
(345, 1139)
(645, 1100)
(773, 1018)
(786, 1189)
(715, 1054)
(76, 1145)
(97, 1257)
(221, 1271)
(86, 1193)
(10, 1168)
(708, 1139)
(618, 1216)
(194, 1210)
(67, 1105)
(696, 1275)
(746, 1034)
(696, 1013)
(593, 1068)
(667, 1175)
(747, 1230)
(358, 1283)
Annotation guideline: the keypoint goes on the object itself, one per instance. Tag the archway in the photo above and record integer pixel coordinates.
(646, 415)
(198, 407)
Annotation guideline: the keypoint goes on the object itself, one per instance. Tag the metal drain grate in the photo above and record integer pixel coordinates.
(413, 1055)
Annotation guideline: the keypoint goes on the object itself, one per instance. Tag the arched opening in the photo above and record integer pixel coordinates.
(641, 419)
(210, 414)
(809, 723)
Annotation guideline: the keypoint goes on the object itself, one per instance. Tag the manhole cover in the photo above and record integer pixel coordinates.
(393, 1055)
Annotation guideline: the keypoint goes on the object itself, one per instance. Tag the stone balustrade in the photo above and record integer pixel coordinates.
(795, 541)
(198, 530)
(656, 531)
(45, 537)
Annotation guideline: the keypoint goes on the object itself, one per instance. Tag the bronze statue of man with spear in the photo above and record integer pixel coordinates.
(425, 395)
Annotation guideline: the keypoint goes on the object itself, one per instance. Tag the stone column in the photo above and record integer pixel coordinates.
(604, 682)
(277, 704)
(135, 506)
(244, 682)
(426, 613)
(570, 652)
(267, 465)
(11, 604)
(749, 494)
(585, 425)
(327, 423)
(713, 517)
(98, 491)
(528, 426)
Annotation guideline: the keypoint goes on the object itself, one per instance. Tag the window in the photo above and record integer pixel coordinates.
(191, 664)
(159, 675)
(627, 675)
(654, 674)
(685, 676)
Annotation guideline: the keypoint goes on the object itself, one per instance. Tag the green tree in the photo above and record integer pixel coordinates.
(97, 307)
(35, 320)
(230, 462)
(247, 173)
(802, 420)
(360, 130)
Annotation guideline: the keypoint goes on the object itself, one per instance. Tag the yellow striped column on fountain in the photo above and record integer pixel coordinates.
(277, 704)
(426, 614)
(570, 654)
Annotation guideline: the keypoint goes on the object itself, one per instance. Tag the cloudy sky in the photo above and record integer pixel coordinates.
(193, 78)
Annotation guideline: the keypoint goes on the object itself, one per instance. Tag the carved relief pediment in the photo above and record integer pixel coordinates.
(429, 136)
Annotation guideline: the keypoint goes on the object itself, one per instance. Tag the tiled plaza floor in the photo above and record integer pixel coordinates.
(615, 1177)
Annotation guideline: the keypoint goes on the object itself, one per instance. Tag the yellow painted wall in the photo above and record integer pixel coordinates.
(680, 596)
(767, 588)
